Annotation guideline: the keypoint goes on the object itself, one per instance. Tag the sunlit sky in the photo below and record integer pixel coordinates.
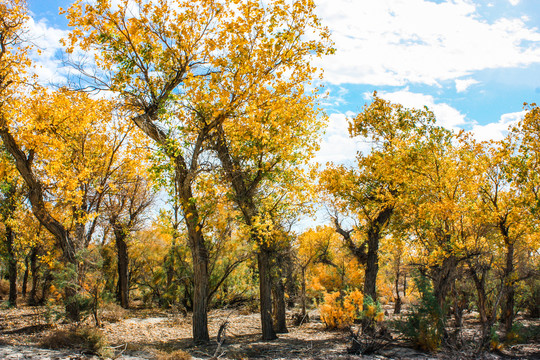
(474, 63)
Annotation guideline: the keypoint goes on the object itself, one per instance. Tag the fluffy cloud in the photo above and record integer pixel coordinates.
(463, 84)
(497, 130)
(393, 42)
(48, 55)
(446, 115)
(337, 146)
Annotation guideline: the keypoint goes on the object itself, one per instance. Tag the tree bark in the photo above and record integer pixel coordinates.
(397, 305)
(303, 292)
(199, 255)
(442, 280)
(25, 276)
(508, 311)
(279, 312)
(265, 293)
(12, 267)
(372, 264)
(199, 251)
(32, 300)
(123, 262)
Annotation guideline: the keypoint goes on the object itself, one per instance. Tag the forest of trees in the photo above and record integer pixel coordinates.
(174, 167)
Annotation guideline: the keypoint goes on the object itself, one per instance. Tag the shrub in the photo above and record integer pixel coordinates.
(175, 355)
(341, 311)
(112, 313)
(372, 335)
(4, 288)
(85, 339)
(424, 326)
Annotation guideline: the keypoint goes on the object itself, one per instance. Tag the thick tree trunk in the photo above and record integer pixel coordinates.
(73, 310)
(265, 293)
(280, 315)
(479, 284)
(485, 320)
(508, 311)
(372, 264)
(199, 255)
(45, 287)
(32, 300)
(123, 270)
(442, 280)
(12, 267)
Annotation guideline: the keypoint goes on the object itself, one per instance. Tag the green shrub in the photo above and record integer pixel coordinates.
(424, 326)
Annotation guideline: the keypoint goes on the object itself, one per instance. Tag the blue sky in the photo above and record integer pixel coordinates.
(474, 63)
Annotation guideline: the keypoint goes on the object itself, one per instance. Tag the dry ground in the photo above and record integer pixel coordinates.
(144, 334)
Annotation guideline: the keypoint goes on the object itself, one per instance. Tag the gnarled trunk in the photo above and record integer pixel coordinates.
(35, 195)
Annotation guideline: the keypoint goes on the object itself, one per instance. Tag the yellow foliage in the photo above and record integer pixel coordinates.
(339, 311)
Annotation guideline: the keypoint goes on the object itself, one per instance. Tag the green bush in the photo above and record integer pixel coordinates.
(424, 326)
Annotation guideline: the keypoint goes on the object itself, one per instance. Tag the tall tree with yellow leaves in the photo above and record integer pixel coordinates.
(371, 191)
(194, 70)
(65, 149)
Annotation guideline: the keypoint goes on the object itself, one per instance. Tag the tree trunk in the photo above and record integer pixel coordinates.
(12, 267)
(508, 311)
(265, 293)
(45, 286)
(32, 300)
(442, 280)
(123, 262)
(25, 276)
(199, 255)
(372, 264)
(199, 252)
(303, 292)
(73, 310)
(397, 305)
(479, 283)
(280, 315)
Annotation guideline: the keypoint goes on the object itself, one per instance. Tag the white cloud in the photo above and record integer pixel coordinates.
(514, 2)
(337, 146)
(48, 64)
(392, 42)
(445, 114)
(463, 84)
(497, 130)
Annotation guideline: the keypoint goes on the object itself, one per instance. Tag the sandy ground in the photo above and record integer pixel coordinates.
(137, 334)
